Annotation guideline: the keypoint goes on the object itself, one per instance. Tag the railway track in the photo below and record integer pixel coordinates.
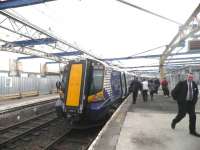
(74, 140)
(10, 134)
(47, 132)
(21, 113)
(44, 132)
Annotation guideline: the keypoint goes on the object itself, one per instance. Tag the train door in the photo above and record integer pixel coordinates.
(116, 85)
(75, 86)
(123, 83)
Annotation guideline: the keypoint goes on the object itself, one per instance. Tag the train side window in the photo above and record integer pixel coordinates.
(97, 82)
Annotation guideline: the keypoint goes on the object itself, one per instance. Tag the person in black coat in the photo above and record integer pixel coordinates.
(157, 85)
(186, 94)
(135, 87)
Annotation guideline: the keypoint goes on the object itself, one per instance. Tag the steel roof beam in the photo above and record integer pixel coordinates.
(51, 63)
(20, 3)
(149, 56)
(31, 42)
(186, 61)
(61, 54)
(183, 58)
(41, 31)
(32, 52)
(140, 67)
(143, 66)
(28, 36)
(145, 70)
(191, 26)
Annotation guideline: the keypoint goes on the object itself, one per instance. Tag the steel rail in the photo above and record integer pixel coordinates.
(28, 129)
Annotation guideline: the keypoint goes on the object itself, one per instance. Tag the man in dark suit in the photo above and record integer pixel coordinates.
(186, 93)
(135, 87)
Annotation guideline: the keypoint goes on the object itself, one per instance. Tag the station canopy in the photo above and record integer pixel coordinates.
(112, 31)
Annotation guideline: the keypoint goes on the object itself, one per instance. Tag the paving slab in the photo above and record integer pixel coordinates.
(151, 131)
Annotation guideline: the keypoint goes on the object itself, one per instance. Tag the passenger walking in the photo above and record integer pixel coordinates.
(145, 90)
(186, 94)
(164, 84)
(58, 86)
(157, 85)
(152, 88)
(135, 87)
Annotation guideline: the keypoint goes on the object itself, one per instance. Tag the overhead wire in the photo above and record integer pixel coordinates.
(150, 12)
(149, 50)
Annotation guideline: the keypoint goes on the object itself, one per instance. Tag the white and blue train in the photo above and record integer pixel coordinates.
(89, 88)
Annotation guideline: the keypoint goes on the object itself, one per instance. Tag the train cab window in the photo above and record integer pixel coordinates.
(97, 81)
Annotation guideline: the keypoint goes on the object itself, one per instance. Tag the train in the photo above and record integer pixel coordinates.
(89, 88)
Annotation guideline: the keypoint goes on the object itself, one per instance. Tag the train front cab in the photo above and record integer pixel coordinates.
(83, 92)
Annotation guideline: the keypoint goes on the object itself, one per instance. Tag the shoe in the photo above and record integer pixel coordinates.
(173, 125)
(195, 134)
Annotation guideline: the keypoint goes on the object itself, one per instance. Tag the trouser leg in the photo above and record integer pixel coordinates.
(151, 94)
(135, 93)
(163, 91)
(156, 90)
(192, 117)
(145, 96)
(181, 113)
(167, 91)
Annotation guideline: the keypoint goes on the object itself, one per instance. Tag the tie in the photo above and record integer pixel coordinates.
(190, 90)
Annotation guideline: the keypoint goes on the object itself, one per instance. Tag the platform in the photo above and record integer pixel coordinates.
(146, 126)
(14, 103)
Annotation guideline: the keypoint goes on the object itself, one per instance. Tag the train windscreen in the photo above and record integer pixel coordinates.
(97, 81)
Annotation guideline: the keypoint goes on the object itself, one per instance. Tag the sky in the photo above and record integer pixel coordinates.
(108, 28)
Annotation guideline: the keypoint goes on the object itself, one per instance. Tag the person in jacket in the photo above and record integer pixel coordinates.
(152, 88)
(164, 84)
(145, 90)
(135, 87)
(157, 85)
(186, 94)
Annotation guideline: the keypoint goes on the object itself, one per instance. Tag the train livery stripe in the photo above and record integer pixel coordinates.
(96, 97)
(74, 86)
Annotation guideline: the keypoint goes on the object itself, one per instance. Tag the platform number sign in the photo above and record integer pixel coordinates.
(8, 82)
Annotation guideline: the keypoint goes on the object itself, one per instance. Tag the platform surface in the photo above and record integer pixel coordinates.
(147, 126)
(151, 131)
(13, 103)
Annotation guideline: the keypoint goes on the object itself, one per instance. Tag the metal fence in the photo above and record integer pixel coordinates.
(22, 85)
